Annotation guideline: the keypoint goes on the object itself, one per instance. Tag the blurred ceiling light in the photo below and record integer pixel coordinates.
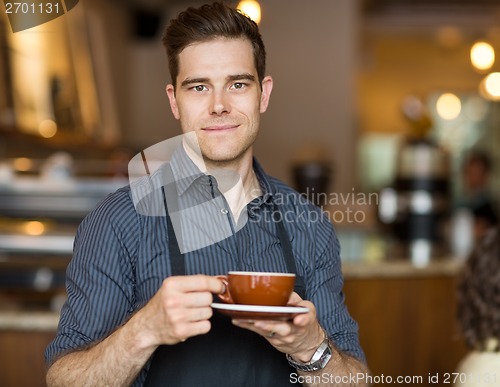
(448, 106)
(490, 87)
(482, 55)
(34, 227)
(22, 164)
(47, 128)
(251, 8)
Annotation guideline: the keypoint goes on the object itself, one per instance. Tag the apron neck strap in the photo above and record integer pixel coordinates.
(286, 247)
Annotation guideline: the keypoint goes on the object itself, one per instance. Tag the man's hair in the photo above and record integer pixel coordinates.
(478, 306)
(208, 22)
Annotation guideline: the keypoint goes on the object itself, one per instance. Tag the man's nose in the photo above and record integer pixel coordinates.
(220, 103)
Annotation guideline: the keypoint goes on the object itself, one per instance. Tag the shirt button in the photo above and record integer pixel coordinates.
(224, 211)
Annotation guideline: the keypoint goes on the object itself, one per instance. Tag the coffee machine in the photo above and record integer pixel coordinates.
(416, 206)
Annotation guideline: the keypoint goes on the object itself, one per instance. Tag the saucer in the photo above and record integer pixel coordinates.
(259, 312)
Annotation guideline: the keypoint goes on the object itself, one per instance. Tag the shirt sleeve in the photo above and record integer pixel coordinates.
(327, 295)
(100, 277)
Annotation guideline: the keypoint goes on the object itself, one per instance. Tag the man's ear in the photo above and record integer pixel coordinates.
(267, 87)
(173, 101)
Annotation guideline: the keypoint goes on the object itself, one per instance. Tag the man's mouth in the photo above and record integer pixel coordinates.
(220, 128)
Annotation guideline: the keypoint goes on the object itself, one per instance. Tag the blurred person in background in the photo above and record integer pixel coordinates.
(478, 314)
(477, 197)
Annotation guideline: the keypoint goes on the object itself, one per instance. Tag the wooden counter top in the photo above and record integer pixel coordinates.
(401, 268)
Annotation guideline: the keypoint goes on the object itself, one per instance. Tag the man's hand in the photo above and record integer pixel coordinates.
(300, 338)
(179, 310)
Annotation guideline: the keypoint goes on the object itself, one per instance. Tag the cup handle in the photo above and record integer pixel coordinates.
(225, 296)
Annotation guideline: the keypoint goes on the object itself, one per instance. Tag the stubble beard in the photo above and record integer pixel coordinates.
(214, 158)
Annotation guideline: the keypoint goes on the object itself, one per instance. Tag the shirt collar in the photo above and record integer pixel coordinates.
(265, 183)
(186, 173)
(184, 170)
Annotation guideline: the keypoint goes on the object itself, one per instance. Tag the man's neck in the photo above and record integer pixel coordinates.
(236, 179)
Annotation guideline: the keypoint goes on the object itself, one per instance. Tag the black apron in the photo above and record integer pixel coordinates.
(227, 355)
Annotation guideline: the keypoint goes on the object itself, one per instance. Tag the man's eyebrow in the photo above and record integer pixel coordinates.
(191, 81)
(240, 77)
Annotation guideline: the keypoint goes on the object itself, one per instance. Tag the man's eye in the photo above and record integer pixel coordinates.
(199, 88)
(238, 85)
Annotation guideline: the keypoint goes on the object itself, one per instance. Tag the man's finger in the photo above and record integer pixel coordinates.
(194, 329)
(197, 299)
(303, 320)
(196, 283)
(294, 299)
(199, 314)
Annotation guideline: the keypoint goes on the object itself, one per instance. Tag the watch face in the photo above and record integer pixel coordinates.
(325, 358)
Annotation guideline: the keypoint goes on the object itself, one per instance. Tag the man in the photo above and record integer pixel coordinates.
(138, 309)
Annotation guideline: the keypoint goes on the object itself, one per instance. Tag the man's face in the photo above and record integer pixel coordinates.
(218, 96)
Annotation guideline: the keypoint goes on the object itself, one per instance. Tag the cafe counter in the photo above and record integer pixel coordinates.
(406, 316)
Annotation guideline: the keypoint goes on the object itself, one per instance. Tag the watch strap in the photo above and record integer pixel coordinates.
(318, 360)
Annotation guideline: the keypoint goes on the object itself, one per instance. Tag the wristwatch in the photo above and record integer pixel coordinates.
(318, 360)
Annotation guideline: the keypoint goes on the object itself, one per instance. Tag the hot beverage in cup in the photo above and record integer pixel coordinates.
(258, 288)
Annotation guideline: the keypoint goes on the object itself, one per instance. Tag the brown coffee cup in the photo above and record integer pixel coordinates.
(257, 288)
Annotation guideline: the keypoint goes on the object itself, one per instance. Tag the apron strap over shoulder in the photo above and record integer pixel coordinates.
(286, 247)
(177, 264)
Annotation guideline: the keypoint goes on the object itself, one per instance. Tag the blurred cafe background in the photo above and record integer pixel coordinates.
(384, 112)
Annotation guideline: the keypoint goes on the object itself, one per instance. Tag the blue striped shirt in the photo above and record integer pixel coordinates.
(121, 258)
